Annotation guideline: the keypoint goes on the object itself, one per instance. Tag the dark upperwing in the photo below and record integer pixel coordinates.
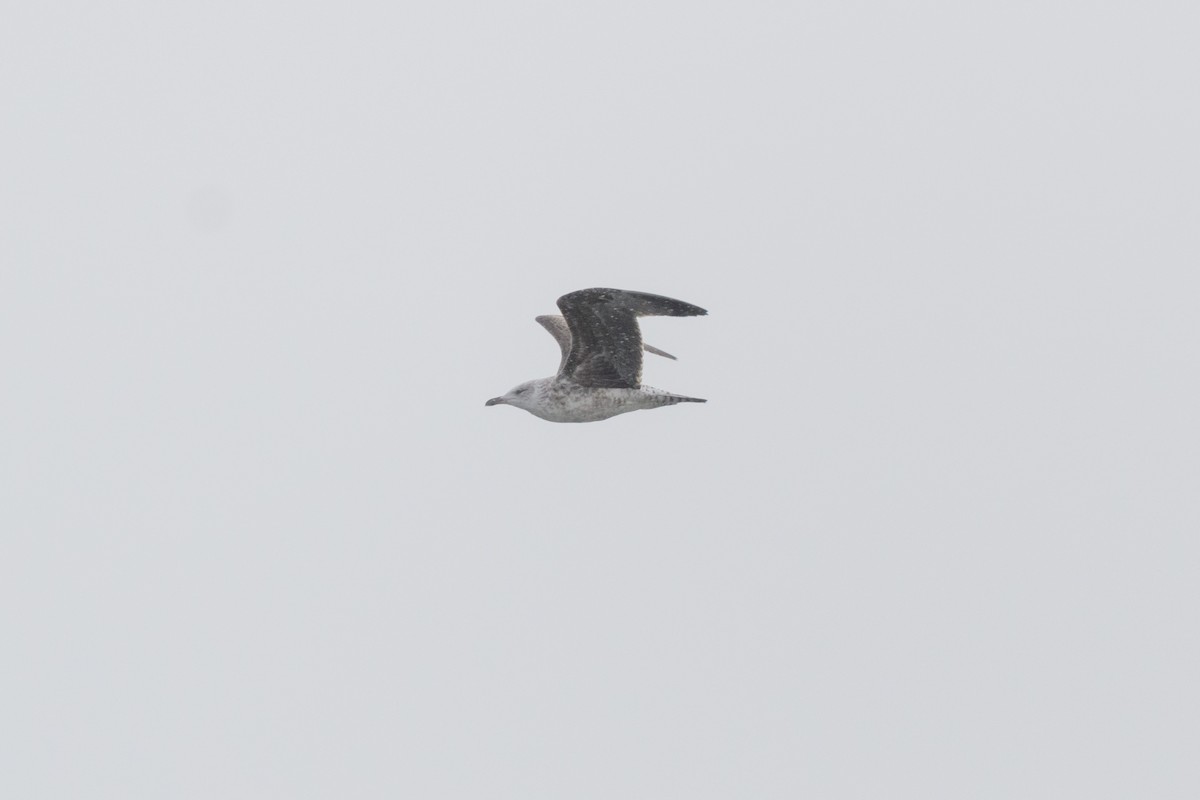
(557, 325)
(605, 340)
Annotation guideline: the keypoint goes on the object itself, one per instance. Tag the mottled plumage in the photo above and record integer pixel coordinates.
(600, 372)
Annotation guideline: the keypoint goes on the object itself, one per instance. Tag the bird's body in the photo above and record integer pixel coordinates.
(566, 401)
(600, 371)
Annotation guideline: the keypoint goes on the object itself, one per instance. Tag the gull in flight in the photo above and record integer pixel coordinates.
(600, 373)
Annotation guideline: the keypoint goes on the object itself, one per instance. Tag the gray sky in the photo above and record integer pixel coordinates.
(933, 536)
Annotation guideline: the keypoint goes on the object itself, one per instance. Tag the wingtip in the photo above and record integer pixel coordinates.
(641, 303)
(652, 349)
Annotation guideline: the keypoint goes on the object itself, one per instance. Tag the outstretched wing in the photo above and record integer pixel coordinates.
(606, 342)
(557, 326)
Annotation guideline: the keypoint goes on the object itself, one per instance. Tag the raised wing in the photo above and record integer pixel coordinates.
(562, 334)
(606, 342)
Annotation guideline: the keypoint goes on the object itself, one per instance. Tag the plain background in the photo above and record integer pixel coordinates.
(933, 536)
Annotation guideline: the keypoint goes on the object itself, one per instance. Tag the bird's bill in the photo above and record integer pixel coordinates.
(495, 401)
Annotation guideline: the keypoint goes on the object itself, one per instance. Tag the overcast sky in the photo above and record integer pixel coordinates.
(934, 535)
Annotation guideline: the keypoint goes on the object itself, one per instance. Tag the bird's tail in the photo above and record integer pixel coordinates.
(672, 399)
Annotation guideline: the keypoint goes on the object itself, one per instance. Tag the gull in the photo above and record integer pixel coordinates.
(600, 372)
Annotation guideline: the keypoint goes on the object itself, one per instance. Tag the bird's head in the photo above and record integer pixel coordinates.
(522, 396)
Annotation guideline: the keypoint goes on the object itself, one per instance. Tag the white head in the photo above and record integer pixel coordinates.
(524, 396)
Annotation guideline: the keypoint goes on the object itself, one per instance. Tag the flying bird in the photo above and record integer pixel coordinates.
(600, 373)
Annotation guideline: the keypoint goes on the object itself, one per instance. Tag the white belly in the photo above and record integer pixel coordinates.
(590, 406)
